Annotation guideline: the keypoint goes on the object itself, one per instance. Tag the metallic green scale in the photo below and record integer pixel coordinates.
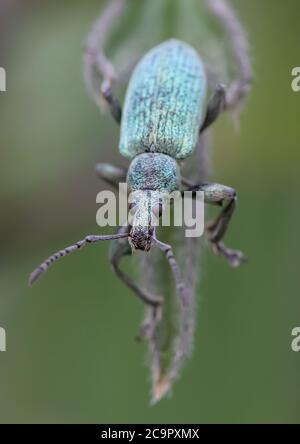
(164, 102)
(153, 171)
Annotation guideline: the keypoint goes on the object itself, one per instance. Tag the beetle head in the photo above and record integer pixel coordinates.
(144, 212)
(141, 238)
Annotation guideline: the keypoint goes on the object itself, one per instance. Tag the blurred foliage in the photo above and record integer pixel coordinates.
(70, 354)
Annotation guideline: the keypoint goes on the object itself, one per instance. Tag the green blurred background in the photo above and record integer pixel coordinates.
(71, 354)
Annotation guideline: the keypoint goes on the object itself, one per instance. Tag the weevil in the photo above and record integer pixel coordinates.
(163, 122)
(163, 117)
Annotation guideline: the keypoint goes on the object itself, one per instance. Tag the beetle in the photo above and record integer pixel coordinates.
(163, 123)
(160, 126)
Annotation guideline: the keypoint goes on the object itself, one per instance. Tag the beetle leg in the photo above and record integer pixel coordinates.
(179, 282)
(117, 251)
(240, 86)
(96, 63)
(216, 231)
(110, 173)
(112, 101)
(215, 107)
(218, 195)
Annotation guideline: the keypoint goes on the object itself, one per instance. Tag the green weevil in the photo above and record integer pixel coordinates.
(160, 125)
(164, 118)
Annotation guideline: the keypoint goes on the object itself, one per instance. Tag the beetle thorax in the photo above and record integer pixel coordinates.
(153, 171)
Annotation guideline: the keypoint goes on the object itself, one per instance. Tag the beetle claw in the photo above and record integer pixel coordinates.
(234, 257)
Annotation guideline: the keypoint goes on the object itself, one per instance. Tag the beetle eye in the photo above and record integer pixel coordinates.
(131, 206)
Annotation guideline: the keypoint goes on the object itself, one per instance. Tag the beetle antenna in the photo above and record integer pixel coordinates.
(35, 275)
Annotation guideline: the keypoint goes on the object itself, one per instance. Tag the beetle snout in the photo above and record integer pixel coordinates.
(140, 238)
